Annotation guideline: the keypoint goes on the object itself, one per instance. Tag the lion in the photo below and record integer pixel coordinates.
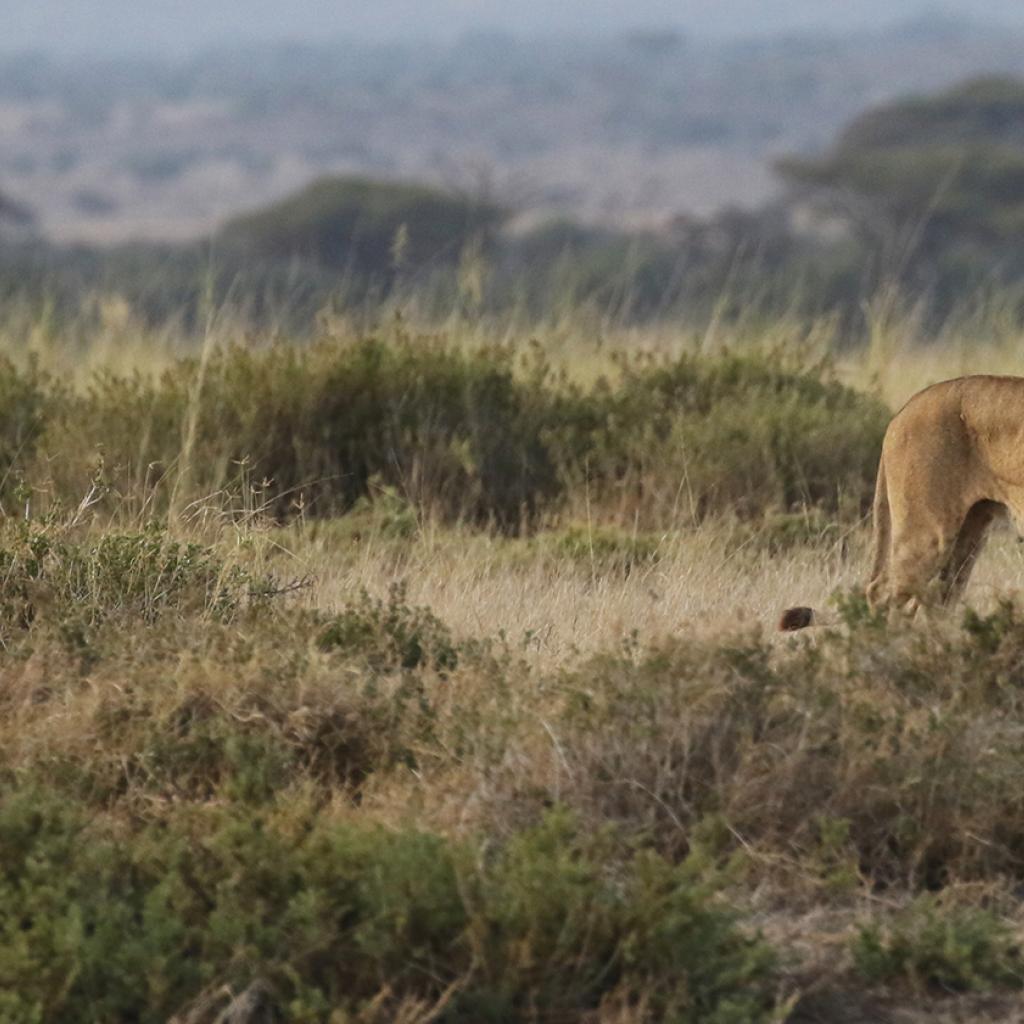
(952, 462)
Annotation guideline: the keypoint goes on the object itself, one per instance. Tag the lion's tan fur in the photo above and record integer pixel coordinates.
(952, 460)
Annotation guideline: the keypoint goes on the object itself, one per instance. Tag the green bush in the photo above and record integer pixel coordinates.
(485, 436)
(934, 944)
(743, 434)
(391, 635)
(46, 571)
(195, 710)
(28, 398)
(604, 546)
(786, 532)
(456, 432)
(99, 924)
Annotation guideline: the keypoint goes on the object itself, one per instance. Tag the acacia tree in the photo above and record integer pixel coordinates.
(933, 187)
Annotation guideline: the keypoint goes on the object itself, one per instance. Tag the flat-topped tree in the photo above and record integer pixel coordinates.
(947, 169)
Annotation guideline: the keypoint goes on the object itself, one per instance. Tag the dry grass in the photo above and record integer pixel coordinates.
(703, 581)
(897, 358)
(563, 607)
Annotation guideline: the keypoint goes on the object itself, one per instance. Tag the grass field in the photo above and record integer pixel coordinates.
(432, 676)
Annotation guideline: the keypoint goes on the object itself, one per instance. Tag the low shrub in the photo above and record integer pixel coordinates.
(741, 434)
(390, 634)
(46, 570)
(778, 533)
(29, 399)
(313, 918)
(188, 707)
(607, 547)
(907, 741)
(486, 436)
(458, 433)
(935, 944)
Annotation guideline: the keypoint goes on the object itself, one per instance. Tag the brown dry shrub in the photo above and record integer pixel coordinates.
(892, 756)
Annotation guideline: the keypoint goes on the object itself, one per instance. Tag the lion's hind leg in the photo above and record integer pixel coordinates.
(968, 544)
(921, 550)
(877, 590)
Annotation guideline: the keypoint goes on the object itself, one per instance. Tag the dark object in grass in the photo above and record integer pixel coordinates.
(796, 618)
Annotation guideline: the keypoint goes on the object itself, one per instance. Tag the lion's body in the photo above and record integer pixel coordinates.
(952, 460)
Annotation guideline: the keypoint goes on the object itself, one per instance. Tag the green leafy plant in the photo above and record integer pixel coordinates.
(939, 945)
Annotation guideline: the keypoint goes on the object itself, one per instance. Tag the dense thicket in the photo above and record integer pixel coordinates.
(486, 436)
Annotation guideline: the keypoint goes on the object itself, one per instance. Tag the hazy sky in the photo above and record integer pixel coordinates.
(125, 26)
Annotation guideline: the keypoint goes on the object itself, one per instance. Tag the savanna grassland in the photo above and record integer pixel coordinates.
(408, 674)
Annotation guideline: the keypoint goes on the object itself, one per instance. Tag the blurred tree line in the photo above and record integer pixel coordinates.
(922, 199)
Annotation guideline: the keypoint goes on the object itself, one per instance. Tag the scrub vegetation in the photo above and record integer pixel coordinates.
(430, 675)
